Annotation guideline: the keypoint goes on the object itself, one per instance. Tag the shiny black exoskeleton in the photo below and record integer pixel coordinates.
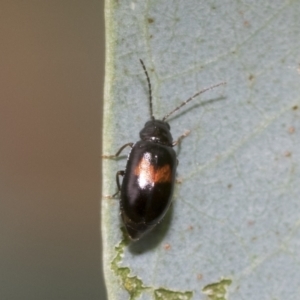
(149, 177)
(148, 181)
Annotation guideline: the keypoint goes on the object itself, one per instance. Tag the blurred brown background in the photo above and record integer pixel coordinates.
(51, 85)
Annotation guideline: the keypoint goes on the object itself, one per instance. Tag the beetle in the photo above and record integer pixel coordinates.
(149, 176)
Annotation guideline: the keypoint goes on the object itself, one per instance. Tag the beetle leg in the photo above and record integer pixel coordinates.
(119, 151)
(119, 173)
(181, 137)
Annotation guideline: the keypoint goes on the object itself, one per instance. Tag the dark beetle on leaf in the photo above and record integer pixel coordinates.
(149, 177)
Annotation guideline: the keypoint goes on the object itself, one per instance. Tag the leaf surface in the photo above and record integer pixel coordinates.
(233, 229)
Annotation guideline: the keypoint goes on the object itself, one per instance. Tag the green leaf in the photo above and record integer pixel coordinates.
(233, 229)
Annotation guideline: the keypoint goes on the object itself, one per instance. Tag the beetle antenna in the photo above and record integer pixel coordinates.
(191, 98)
(150, 90)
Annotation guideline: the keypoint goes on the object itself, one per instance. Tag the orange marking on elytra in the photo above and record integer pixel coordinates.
(163, 174)
(147, 173)
(144, 170)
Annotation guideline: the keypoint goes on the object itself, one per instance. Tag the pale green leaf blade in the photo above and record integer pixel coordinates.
(233, 229)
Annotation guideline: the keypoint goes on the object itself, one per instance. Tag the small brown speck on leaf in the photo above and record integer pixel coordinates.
(287, 154)
(167, 246)
(199, 276)
(291, 129)
(251, 77)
